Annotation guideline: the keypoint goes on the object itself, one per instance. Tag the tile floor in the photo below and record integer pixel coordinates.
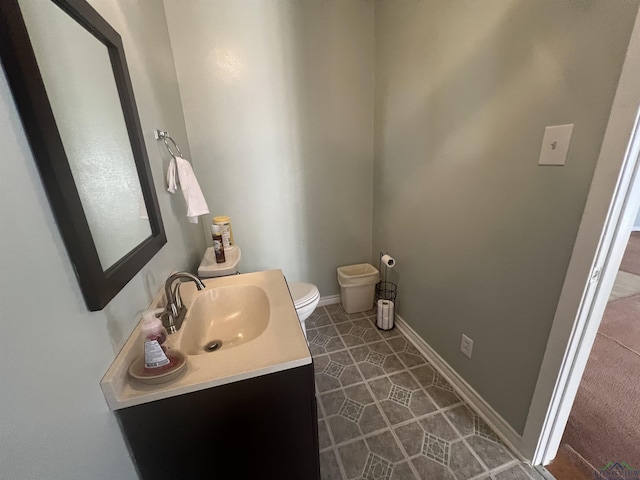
(385, 413)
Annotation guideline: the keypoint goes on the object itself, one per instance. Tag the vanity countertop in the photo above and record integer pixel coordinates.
(280, 347)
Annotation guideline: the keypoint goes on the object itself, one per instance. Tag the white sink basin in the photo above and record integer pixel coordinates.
(224, 317)
(254, 317)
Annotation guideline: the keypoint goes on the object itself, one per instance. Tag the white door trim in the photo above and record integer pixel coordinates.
(610, 209)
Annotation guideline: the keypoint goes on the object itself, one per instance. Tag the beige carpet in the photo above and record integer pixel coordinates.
(603, 425)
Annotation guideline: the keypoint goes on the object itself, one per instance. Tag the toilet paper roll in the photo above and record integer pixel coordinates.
(388, 261)
(386, 314)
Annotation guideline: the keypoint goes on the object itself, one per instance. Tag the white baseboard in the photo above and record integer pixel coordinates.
(499, 425)
(330, 300)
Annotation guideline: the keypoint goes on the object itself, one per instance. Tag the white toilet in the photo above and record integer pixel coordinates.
(305, 298)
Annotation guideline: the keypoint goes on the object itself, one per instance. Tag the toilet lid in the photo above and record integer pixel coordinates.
(303, 293)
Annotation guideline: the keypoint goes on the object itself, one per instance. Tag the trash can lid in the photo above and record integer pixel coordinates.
(360, 274)
(357, 270)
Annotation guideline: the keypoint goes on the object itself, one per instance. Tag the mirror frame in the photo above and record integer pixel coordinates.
(98, 286)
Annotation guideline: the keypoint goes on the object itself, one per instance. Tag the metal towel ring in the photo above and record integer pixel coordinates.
(164, 136)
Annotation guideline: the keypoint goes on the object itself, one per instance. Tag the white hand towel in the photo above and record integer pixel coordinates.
(171, 176)
(193, 197)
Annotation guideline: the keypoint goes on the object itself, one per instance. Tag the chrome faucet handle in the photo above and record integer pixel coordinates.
(177, 299)
(175, 310)
(167, 320)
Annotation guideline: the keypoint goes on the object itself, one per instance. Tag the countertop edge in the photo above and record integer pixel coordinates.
(116, 404)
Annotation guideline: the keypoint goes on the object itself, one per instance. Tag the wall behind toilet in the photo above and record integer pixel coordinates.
(278, 102)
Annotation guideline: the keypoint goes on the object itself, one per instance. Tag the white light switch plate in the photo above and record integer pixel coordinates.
(555, 145)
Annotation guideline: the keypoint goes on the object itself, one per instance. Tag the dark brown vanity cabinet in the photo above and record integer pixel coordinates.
(260, 428)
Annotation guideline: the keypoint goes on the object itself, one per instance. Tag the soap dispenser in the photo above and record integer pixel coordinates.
(153, 336)
(159, 362)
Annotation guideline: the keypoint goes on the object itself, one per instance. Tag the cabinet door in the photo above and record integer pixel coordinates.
(261, 428)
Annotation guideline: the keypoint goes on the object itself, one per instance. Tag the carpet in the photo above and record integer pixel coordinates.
(603, 424)
(631, 259)
(621, 323)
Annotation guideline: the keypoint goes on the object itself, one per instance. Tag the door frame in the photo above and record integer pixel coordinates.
(612, 203)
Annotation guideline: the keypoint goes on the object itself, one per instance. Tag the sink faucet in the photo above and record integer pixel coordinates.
(176, 311)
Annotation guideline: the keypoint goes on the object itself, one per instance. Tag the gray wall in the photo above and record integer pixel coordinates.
(54, 422)
(482, 235)
(636, 223)
(278, 101)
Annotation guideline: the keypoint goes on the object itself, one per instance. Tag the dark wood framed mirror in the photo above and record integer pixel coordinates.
(67, 71)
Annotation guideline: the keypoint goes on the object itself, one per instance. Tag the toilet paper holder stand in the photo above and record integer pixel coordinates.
(389, 262)
(386, 290)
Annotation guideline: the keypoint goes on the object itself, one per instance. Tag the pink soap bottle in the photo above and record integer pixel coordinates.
(153, 336)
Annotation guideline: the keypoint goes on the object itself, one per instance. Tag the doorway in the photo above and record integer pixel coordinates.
(602, 426)
(573, 335)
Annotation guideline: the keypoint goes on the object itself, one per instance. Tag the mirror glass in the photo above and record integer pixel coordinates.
(80, 84)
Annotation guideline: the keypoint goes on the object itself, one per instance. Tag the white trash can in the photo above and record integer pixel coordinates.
(357, 286)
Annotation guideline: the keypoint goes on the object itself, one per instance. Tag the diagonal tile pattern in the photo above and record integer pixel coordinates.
(334, 369)
(481, 429)
(351, 410)
(377, 468)
(400, 395)
(320, 340)
(324, 339)
(436, 449)
(351, 413)
(376, 359)
(440, 382)
(386, 414)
